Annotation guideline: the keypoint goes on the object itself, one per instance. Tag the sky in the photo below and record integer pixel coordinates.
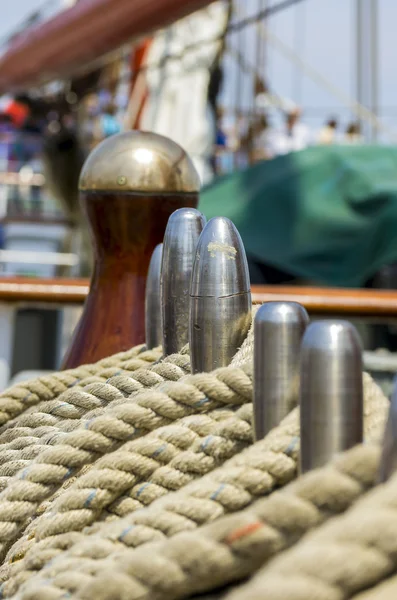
(14, 12)
(321, 32)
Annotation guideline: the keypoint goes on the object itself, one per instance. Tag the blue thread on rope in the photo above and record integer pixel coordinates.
(125, 532)
(140, 490)
(218, 491)
(68, 473)
(202, 402)
(89, 498)
(74, 383)
(58, 406)
(23, 474)
(291, 445)
(205, 443)
(159, 450)
(119, 372)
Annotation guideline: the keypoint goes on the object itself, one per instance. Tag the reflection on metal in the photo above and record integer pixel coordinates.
(331, 391)
(220, 310)
(138, 161)
(388, 463)
(153, 327)
(180, 240)
(279, 327)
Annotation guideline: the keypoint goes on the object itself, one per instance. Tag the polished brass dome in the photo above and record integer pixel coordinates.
(138, 161)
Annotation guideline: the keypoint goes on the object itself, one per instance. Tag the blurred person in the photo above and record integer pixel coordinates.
(353, 134)
(6, 124)
(260, 139)
(239, 142)
(221, 141)
(36, 167)
(270, 104)
(107, 124)
(18, 109)
(328, 134)
(293, 137)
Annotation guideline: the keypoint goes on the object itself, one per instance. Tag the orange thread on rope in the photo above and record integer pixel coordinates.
(242, 532)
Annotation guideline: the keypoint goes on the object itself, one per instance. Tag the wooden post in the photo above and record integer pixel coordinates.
(129, 186)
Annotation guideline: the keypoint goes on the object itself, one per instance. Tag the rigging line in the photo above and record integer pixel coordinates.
(274, 98)
(357, 108)
(232, 28)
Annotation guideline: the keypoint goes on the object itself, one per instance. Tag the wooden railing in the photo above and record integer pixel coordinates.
(317, 300)
(51, 291)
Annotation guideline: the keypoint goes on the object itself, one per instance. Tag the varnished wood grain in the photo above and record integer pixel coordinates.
(51, 291)
(125, 229)
(327, 301)
(317, 300)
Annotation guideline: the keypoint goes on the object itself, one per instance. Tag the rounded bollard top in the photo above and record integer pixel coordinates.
(331, 336)
(139, 161)
(281, 312)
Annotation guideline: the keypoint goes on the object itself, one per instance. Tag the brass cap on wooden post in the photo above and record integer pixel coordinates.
(129, 186)
(139, 161)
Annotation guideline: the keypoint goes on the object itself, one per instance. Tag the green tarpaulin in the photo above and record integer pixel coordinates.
(327, 214)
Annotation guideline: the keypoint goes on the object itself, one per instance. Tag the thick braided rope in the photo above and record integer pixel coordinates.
(17, 399)
(387, 590)
(132, 418)
(167, 458)
(349, 554)
(30, 433)
(246, 351)
(153, 414)
(138, 473)
(41, 421)
(234, 546)
(254, 472)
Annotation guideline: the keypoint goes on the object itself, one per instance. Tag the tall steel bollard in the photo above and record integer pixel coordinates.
(220, 297)
(180, 241)
(279, 327)
(388, 463)
(153, 320)
(331, 391)
(129, 186)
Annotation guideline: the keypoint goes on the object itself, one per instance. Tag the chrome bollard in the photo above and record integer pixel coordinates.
(180, 240)
(279, 327)
(220, 297)
(388, 462)
(331, 391)
(153, 319)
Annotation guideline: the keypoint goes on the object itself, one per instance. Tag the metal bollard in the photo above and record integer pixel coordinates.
(180, 241)
(220, 297)
(279, 327)
(129, 186)
(153, 320)
(331, 391)
(388, 462)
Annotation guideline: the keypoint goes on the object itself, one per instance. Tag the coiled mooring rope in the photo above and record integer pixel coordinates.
(236, 545)
(255, 472)
(341, 558)
(19, 398)
(25, 437)
(117, 472)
